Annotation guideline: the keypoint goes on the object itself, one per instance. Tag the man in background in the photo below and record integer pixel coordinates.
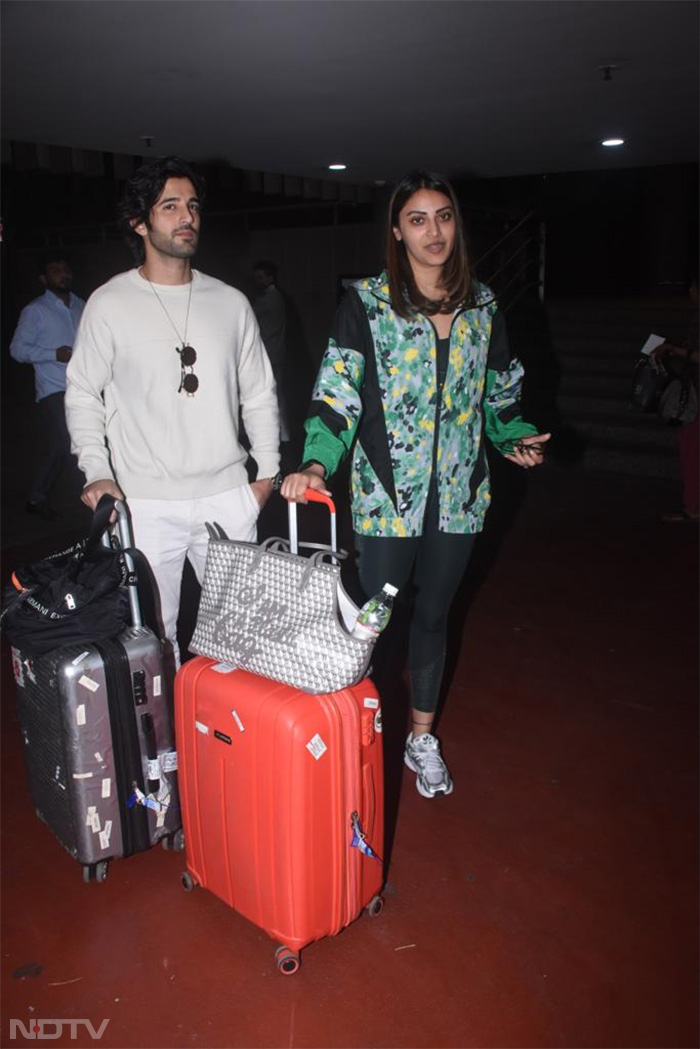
(44, 338)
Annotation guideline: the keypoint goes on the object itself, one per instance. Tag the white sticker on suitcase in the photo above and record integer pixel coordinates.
(371, 703)
(80, 714)
(224, 668)
(78, 659)
(105, 835)
(316, 747)
(106, 787)
(93, 819)
(88, 683)
(157, 687)
(17, 668)
(238, 721)
(168, 762)
(153, 766)
(204, 729)
(82, 775)
(98, 758)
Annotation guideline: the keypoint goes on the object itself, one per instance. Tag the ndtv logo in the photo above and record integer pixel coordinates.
(37, 1028)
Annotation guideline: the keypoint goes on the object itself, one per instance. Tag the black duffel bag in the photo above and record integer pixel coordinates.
(649, 380)
(74, 596)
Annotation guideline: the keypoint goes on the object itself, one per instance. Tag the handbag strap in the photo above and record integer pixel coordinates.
(100, 521)
(214, 530)
(314, 562)
(275, 544)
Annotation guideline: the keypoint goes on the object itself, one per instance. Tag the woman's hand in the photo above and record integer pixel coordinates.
(294, 485)
(529, 451)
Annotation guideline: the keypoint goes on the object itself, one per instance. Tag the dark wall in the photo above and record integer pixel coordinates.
(624, 232)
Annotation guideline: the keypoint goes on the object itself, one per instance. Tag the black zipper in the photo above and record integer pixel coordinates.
(125, 742)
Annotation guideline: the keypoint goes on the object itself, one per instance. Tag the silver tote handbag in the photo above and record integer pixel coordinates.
(283, 616)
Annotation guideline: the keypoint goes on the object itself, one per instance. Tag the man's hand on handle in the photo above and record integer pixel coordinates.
(93, 492)
(294, 486)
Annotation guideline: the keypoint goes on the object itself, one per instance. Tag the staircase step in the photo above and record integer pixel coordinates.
(633, 435)
(575, 364)
(591, 326)
(603, 345)
(572, 405)
(609, 410)
(618, 310)
(595, 385)
(568, 330)
(631, 461)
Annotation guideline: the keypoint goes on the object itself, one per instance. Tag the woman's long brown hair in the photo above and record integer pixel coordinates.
(406, 299)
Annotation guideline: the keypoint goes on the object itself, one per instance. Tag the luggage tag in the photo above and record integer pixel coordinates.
(358, 838)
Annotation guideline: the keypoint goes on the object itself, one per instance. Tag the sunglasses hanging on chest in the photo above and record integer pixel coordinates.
(189, 383)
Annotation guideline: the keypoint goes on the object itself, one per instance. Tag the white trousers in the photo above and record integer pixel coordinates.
(167, 531)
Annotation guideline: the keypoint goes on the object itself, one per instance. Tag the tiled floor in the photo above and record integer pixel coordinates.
(551, 901)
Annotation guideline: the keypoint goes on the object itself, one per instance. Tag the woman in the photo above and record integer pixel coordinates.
(416, 371)
(688, 433)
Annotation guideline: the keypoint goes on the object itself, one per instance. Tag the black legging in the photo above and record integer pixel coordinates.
(440, 562)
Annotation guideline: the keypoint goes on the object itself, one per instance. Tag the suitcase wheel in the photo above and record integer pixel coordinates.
(174, 841)
(95, 871)
(187, 881)
(288, 961)
(375, 906)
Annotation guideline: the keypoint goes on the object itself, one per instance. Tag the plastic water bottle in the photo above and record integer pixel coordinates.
(375, 614)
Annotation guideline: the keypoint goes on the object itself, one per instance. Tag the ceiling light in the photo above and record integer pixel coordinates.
(613, 142)
(337, 167)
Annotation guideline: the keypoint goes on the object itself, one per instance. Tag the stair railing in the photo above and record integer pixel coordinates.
(516, 261)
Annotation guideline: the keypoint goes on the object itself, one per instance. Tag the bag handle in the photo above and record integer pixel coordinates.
(313, 497)
(316, 560)
(100, 522)
(275, 544)
(215, 531)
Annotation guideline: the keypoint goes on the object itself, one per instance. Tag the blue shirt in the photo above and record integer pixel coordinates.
(44, 325)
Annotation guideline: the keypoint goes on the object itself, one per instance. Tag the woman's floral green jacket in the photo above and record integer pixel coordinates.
(376, 394)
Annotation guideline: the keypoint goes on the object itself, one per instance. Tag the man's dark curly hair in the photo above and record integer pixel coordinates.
(142, 191)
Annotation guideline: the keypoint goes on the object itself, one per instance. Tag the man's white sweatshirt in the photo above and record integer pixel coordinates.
(122, 387)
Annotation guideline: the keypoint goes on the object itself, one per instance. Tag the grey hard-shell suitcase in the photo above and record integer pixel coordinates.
(99, 739)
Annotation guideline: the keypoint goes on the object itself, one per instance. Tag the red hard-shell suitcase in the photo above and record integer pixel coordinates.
(282, 797)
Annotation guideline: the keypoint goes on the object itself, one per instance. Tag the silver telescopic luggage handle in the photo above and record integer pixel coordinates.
(313, 497)
(126, 540)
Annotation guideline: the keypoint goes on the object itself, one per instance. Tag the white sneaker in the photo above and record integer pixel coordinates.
(422, 755)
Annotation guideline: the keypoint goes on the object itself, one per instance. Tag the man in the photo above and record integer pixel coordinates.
(165, 358)
(270, 311)
(44, 338)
